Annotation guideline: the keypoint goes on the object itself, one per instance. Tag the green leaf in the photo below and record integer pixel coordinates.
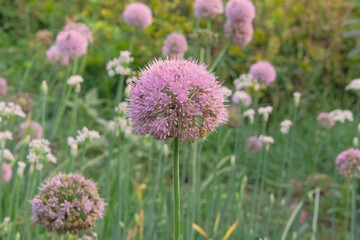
(352, 33)
(351, 21)
(353, 52)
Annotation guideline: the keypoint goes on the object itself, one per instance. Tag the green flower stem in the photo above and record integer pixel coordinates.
(353, 210)
(176, 189)
(208, 47)
(220, 56)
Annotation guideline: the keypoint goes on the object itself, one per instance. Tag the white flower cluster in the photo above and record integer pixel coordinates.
(121, 122)
(7, 135)
(267, 140)
(285, 126)
(83, 135)
(130, 83)
(265, 112)
(226, 92)
(353, 85)
(6, 154)
(11, 109)
(244, 81)
(39, 149)
(122, 108)
(250, 114)
(120, 65)
(76, 79)
(339, 115)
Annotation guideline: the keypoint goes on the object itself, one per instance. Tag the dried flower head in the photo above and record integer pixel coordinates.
(325, 120)
(138, 14)
(71, 43)
(241, 32)
(55, 57)
(208, 8)
(32, 128)
(240, 10)
(6, 173)
(234, 116)
(67, 203)
(348, 163)
(176, 98)
(24, 101)
(253, 144)
(263, 72)
(44, 37)
(175, 46)
(3, 87)
(82, 29)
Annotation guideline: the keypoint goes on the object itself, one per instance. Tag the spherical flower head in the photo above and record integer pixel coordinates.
(240, 10)
(3, 87)
(6, 173)
(241, 97)
(175, 45)
(325, 120)
(82, 29)
(24, 101)
(263, 72)
(253, 144)
(71, 43)
(241, 32)
(54, 56)
(67, 203)
(176, 98)
(33, 129)
(353, 85)
(234, 116)
(76, 79)
(138, 14)
(208, 8)
(348, 163)
(44, 37)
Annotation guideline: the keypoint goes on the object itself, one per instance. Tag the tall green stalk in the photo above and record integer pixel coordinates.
(176, 181)
(353, 210)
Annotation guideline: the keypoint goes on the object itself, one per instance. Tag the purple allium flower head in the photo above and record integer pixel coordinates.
(33, 129)
(241, 97)
(348, 163)
(138, 14)
(175, 45)
(82, 29)
(6, 172)
(176, 98)
(240, 11)
(254, 144)
(325, 120)
(54, 56)
(3, 87)
(67, 203)
(241, 32)
(71, 43)
(263, 72)
(208, 8)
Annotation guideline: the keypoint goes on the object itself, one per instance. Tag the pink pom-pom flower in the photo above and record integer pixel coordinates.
(175, 45)
(240, 11)
(33, 129)
(138, 14)
(208, 8)
(82, 29)
(3, 87)
(176, 98)
(7, 173)
(253, 144)
(54, 56)
(348, 163)
(71, 43)
(263, 72)
(241, 32)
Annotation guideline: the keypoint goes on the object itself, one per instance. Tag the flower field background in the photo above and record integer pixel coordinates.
(272, 170)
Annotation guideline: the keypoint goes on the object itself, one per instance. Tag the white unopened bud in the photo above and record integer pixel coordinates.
(355, 141)
(166, 150)
(44, 87)
(74, 150)
(297, 97)
(78, 87)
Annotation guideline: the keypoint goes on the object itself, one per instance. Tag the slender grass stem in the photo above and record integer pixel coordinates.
(220, 56)
(316, 214)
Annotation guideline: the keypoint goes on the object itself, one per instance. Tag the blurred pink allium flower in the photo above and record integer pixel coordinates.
(7, 173)
(348, 163)
(325, 120)
(263, 72)
(175, 45)
(82, 29)
(240, 11)
(253, 144)
(138, 14)
(176, 98)
(54, 56)
(241, 32)
(241, 97)
(67, 203)
(208, 8)
(3, 87)
(71, 43)
(34, 129)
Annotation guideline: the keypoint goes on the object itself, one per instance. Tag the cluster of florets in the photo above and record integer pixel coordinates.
(241, 97)
(10, 109)
(80, 28)
(120, 65)
(83, 135)
(341, 115)
(208, 8)
(138, 14)
(174, 46)
(3, 87)
(176, 98)
(23, 100)
(267, 140)
(353, 85)
(348, 163)
(240, 14)
(44, 37)
(265, 112)
(40, 152)
(325, 120)
(263, 72)
(204, 37)
(32, 128)
(67, 203)
(285, 126)
(253, 144)
(121, 122)
(54, 56)
(6, 173)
